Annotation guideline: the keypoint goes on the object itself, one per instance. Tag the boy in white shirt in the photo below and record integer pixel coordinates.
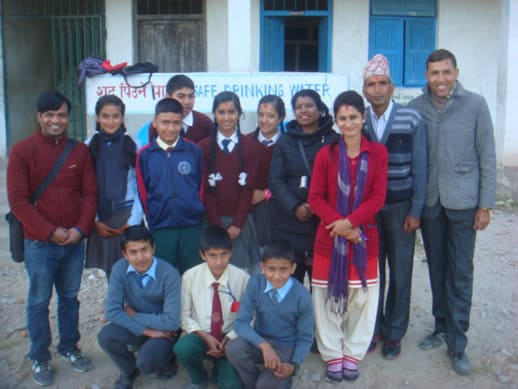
(207, 317)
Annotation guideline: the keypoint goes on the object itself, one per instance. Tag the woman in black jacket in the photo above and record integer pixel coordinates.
(290, 175)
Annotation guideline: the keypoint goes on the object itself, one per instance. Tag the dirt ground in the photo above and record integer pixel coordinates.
(492, 348)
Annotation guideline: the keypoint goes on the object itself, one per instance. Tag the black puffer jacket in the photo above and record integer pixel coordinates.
(285, 178)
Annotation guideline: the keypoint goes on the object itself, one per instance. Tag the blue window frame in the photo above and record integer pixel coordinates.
(276, 15)
(404, 31)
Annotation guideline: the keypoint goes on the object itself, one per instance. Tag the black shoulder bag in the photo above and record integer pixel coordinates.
(16, 245)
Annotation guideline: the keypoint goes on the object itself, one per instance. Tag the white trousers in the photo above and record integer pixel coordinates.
(346, 336)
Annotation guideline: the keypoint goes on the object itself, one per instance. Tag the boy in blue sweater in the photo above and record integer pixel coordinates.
(282, 333)
(169, 174)
(143, 307)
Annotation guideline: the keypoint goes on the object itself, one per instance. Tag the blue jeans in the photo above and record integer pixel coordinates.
(51, 265)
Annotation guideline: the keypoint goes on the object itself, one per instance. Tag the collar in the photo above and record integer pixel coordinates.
(275, 138)
(209, 279)
(283, 290)
(164, 146)
(234, 138)
(188, 121)
(385, 114)
(151, 272)
(53, 141)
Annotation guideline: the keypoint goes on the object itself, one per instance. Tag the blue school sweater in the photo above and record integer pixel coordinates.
(289, 322)
(157, 304)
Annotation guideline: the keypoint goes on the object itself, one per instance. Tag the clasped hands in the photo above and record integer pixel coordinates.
(215, 347)
(344, 228)
(105, 231)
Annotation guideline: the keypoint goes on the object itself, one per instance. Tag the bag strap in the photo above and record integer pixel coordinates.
(54, 171)
(304, 158)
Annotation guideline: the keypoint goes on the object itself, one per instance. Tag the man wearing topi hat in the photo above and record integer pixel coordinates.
(403, 132)
(460, 193)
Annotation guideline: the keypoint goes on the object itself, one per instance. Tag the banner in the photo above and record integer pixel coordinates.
(250, 87)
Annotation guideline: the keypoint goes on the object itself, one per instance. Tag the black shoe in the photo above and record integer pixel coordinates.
(460, 363)
(125, 382)
(79, 361)
(42, 373)
(432, 341)
(391, 349)
(373, 344)
(314, 347)
(167, 372)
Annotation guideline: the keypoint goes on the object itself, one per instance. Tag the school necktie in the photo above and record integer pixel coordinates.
(216, 319)
(267, 142)
(274, 295)
(140, 279)
(225, 143)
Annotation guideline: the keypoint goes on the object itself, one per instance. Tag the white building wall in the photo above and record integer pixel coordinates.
(350, 40)
(119, 31)
(510, 100)
(3, 127)
(469, 29)
(217, 35)
(239, 24)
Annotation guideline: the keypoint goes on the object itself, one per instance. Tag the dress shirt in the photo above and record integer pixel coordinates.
(380, 123)
(151, 272)
(234, 141)
(261, 138)
(197, 294)
(164, 146)
(187, 122)
(282, 291)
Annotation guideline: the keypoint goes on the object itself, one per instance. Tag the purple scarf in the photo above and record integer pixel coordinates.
(338, 273)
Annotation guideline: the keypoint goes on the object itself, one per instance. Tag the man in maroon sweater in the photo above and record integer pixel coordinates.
(54, 228)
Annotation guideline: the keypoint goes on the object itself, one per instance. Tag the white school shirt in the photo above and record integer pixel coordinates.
(197, 295)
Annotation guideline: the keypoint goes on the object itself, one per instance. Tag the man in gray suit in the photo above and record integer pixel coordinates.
(460, 193)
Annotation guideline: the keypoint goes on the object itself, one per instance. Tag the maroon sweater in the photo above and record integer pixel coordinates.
(69, 201)
(229, 198)
(265, 159)
(201, 128)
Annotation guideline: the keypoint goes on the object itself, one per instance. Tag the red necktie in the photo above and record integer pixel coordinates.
(216, 319)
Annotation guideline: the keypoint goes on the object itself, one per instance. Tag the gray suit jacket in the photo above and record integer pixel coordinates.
(461, 150)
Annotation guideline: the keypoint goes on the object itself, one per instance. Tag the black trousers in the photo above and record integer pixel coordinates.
(396, 251)
(449, 240)
(153, 354)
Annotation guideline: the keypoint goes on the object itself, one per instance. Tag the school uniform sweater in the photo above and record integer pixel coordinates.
(157, 305)
(229, 197)
(405, 139)
(265, 160)
(289, 322)
(169, 185)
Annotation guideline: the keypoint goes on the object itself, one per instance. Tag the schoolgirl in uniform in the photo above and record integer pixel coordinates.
(231, 162)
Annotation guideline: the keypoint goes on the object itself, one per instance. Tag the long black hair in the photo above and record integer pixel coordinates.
(129, 147)
(322, 107)
(278, 104)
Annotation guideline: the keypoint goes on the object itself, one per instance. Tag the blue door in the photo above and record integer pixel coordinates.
(272, 44)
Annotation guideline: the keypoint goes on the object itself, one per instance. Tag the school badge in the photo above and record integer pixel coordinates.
(184, 168)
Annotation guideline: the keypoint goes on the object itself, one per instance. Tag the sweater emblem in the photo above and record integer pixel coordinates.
(213, 178)
(184, 167)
